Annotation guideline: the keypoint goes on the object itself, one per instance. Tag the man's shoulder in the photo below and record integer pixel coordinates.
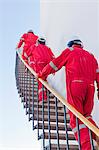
(24, 35)
(43, 46)
(91, 55)
(67, 50)
(88, 52)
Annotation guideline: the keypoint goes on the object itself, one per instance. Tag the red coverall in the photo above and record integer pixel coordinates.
(28, 39)
(81, 71)
(38, 57)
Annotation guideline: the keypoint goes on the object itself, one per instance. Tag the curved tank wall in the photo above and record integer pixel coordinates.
(60, 20)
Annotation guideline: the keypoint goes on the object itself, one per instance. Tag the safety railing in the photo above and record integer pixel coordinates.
(51, 118)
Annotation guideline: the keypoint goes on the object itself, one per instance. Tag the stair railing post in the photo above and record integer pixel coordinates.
(17, 57)
(26, 89)
(78, 132)
(33, 103)
(91, 140)
(16, 65)
(43, 136)
(29, 107)
(57, 133)
(66, 129)
(49, 132)
(19, 78)
(23, 86)
(38, 110)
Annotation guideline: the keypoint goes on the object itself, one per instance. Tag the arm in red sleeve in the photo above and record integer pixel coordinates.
(24, 57)
(55, 64)
(20, 43)
(27, 54)
(30, 50)
(45, 72)
(21, 40)
(51, 53)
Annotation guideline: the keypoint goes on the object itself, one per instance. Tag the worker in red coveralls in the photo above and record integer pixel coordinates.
(39, 55)
(81, 71)
(27, 39)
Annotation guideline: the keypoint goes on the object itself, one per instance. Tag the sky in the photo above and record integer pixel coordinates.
(16, 18)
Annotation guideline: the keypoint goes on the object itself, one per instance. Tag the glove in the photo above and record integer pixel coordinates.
(39, 75)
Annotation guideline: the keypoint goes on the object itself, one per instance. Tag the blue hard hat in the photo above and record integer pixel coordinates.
(30, 31)
(76, 41)
(42, 41)
(70, 43)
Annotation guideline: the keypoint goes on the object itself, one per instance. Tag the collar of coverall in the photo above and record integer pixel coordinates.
(76, 45)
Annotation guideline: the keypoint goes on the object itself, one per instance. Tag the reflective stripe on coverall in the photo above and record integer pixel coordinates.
(80, 79)
(38, 57)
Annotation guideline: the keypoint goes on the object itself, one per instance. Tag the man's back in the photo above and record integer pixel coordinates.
(31, 38)
(81, 65)
(42, 53)
(28, 39)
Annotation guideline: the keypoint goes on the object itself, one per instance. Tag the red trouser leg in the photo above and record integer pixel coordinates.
(40, 92)
(37, 68)
(84, 138)
(76, 96)
(92, 121)
(23, 55)
(88, 105)
(84, 132)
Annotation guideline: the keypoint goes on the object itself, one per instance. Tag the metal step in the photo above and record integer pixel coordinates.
(62, 136)
(62, 147)
(61, 126)
(52, 101)
(52, 106)
(52, 111)
(52, 118)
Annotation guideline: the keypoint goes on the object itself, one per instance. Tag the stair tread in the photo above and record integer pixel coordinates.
(52, 111)
(63, 147)
(45, 104)
(62, 136)
(46, 112)
(52, 101)
(52, 107)
(52, 118)
(53, 126)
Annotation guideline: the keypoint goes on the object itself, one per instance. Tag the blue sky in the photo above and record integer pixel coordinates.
(16, 17)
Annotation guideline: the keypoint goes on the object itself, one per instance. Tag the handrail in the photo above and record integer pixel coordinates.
(63, 100)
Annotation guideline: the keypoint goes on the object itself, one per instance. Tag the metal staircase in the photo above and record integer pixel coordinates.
(50, 118)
